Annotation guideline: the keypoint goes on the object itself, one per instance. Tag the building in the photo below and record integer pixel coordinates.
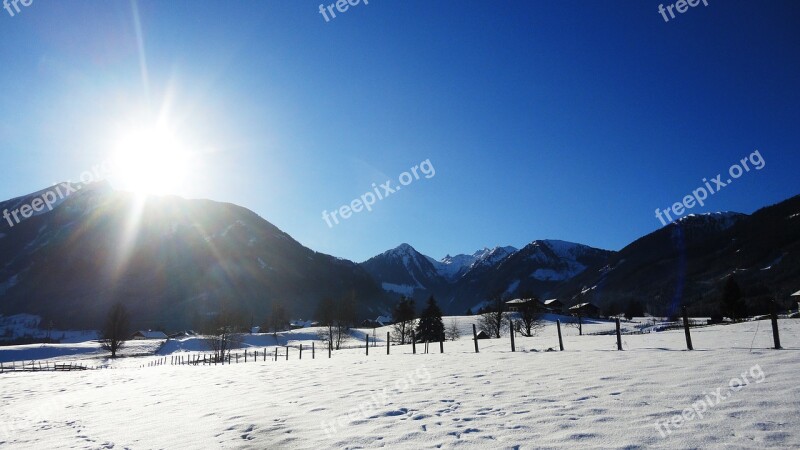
(554, 305)
(381, 321)
(149, 334)
(518, 304)
(182, 334)
(300, 323)
(482, 335)
(585, 310)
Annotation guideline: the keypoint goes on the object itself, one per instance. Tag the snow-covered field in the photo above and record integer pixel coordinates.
(589, 396)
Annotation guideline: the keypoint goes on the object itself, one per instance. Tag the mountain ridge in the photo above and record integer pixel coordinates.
(188, 259)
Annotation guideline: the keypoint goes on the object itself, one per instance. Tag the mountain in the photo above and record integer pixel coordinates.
(536, 269)
(688, 261)
(454, 267)
(405, 271)
(173, 262)
(466, 281)
(68, 252)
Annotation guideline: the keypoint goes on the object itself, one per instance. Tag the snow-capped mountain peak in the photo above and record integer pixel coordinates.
(454, 267)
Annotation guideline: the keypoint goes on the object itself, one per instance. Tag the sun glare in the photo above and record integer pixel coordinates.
(150, 161)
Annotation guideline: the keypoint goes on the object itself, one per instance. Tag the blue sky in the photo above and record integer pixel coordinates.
(567, 120)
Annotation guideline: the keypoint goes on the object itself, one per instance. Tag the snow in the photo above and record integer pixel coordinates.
(30, 326)
(402, 289)
(589, 396)
(723, 220)
(563, 249)
(558, 275)
(9, 283)
(564, 267)
(454, 267)
(512, 287)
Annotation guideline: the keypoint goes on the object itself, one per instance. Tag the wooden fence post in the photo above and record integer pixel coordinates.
(475, 337)
(301, 351)
(330, 348)
(265, 353)
(388, 342)
(287, 352)
(312, 349)
(776, 338)
(686, 329)
(276, 353)
(367, 345)
(441, 345)
(511, 328)
(560, 341)
(413, 343)
(619, 336)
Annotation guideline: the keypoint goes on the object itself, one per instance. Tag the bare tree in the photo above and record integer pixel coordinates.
(326, 316)
(530, 318)
(578, 313)
(452, 333)
(495, 321)
(116, 329)
(345, 320)
(278, 319)
(404, 320)
(224, 333)
(578, 321)
(337, 318)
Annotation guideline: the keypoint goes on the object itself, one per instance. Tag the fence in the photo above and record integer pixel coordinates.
(37, 366)
(282, 352)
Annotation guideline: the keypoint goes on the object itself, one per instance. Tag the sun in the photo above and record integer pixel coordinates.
(150, 160)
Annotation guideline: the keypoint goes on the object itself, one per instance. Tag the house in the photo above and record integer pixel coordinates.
(300, 323)
(518, 304)
(149, 334)
(483, 335)
(554, 305)
(381, 321)
(181, 334)
(585, 310)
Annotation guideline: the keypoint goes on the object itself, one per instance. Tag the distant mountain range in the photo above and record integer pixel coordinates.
(465, 282)
(176, 262)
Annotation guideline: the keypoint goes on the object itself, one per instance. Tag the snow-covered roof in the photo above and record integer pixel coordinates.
(581, 305)
(384, 320)
(551, 301)
(517, 301)
(149, 334)
(796, 294)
